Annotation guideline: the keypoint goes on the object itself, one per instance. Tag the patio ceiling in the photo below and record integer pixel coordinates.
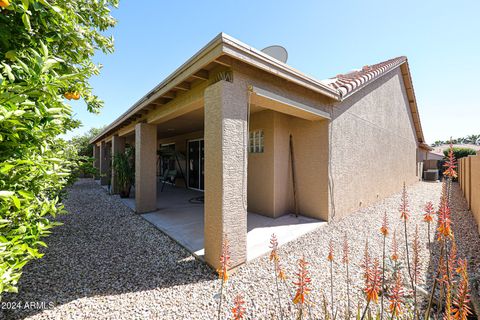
(189, 122)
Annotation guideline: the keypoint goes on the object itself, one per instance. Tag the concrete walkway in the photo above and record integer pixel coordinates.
(181, 217)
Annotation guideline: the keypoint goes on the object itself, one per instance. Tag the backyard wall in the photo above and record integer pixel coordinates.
(373, 145)
(469, 181)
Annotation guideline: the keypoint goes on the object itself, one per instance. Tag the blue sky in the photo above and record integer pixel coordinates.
(323, 38)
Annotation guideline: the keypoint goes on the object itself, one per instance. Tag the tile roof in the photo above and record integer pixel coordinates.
(348, 83)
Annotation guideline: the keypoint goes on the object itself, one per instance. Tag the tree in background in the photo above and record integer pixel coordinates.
(82, 142)
(46, 50)
(82, 155)
(470, 139)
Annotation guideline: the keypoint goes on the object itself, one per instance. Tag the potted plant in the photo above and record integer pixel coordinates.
(124, 169)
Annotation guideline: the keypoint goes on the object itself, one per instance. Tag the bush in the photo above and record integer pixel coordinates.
(46, 49)
(82, 142)
(460, 152)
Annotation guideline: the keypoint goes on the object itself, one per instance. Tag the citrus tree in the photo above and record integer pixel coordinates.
(46, 50)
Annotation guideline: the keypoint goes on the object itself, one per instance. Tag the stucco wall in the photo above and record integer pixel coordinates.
(260, 167)
(373, 145)
(270, 185)
(310, 145)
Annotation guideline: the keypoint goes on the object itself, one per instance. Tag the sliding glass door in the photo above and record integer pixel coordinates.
(196, 164)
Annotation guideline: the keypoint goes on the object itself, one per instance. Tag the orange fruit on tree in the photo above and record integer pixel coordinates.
(4, 3)
(68, 95)
(76, 95)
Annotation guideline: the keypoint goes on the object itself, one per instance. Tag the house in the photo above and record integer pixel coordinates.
(259, 136)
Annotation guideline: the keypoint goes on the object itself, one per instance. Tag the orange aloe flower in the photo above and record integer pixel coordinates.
(450, 164)
(276, 258)
(452, 257)
(384, 228)
(224, 261)
(460, 309)
(394, 247)
(374, 282)
(404, 211)
(274, 247)
(281, 273)
(429, 212)
(302, 283)
(444, 222)
(238, 311)
(396, 296)
(330, 251)
(448, 301)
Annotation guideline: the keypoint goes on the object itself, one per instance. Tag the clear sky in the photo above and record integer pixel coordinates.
(324, 38)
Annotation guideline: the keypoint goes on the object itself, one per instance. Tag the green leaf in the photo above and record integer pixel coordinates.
(26, 22)
(6, 167)
(6, 194)
(25, 194)
(11, 55)
(22, 230)
(44, 49)
(25, 4)
(16, 202)
(8, 71)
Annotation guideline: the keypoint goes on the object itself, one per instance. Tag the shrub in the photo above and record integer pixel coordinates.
(46, 49)
(82, 142)
(460, 152)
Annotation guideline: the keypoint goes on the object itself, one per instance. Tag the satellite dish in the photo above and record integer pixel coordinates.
(278, 52)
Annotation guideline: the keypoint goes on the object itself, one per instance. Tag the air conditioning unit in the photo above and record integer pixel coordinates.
(430, 175)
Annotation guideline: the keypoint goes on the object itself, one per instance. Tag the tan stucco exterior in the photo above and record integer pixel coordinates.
(226, 131)
(373, 144)
(145, 167)
(340, 144)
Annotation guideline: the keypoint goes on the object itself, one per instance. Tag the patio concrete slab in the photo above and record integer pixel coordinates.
(181, 217)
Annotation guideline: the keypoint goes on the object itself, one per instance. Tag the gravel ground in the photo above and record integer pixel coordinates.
(106, 262)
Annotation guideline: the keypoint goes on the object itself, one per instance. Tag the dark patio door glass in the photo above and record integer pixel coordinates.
(195, 164)
(202, 166)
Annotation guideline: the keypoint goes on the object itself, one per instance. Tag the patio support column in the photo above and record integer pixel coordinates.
(96, 161)
(226, 139)
(104, 164)
(118, 146)
(145, 167)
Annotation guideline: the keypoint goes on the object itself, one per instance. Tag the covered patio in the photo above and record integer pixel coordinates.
(233, 129)
(180, 214)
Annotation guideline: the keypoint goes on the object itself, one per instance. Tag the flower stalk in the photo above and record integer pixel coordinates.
(302, 285)
(330, 259)
(278, 270)
(346, 260)
(384, 231)
(223, 271)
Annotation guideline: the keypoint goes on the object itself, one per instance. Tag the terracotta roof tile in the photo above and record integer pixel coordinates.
(350, 82)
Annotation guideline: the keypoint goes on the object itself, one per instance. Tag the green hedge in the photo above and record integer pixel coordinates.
(460, 152)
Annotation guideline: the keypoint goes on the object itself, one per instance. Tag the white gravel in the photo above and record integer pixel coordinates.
(106, 262)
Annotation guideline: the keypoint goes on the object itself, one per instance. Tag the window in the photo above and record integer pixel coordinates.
(256, 142)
